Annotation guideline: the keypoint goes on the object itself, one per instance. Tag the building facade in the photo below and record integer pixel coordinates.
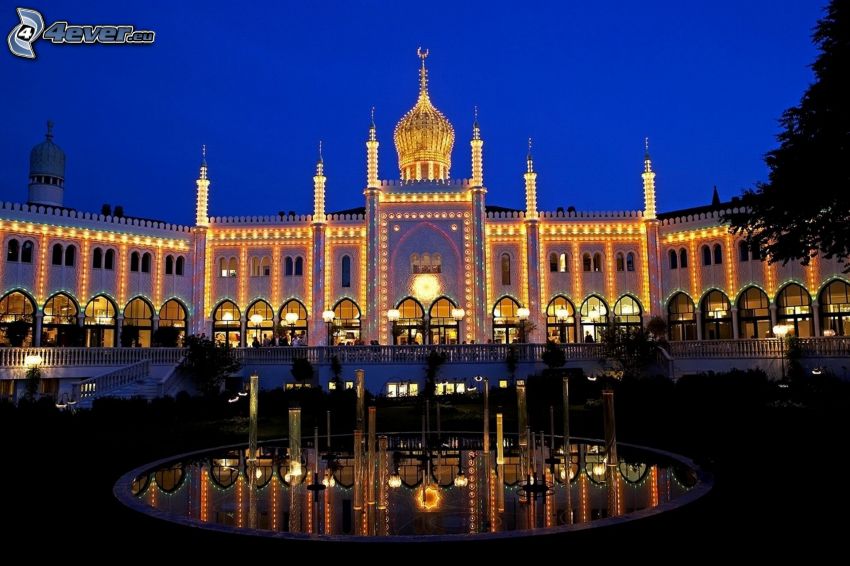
(425, 261)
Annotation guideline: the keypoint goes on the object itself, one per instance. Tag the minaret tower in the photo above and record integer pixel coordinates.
(372, 155)
(319, 190)
(203, 183)
(532, 243)
(530, 186)
(477, 145)
(47, 172)
(648, 184)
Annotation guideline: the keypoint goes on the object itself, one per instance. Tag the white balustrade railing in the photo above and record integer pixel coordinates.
(56, 357)
(103, 384)
(460, 353)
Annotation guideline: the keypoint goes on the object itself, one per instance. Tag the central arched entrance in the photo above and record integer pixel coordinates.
(138, 324)
(560, 320)
(100, 323)
(442, 327)
(594, 318)
(410, 327)
(346, 323)
(293, 318)
(506, 321)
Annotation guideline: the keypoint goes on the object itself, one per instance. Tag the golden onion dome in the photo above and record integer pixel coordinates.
(424, 137)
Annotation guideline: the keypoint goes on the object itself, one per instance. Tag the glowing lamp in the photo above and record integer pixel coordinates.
(461, 480)
(458, 314)
(599, 469)
(32, 361)
(523, 313)
(256, 319)
(829, 332)
(328, 316)
(227, 317)
(291, 318)
(393, 315)
(394, 481)
(780, 330)
(562, 314)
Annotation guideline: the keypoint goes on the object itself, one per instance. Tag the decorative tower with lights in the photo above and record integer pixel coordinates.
(47, 172)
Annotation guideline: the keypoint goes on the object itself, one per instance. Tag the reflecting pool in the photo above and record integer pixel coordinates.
(404, 486)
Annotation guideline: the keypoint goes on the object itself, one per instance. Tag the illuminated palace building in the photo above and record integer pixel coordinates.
(425, 261)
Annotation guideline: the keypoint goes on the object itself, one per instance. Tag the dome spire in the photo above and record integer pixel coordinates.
(477, 145)
(49, 135)
(423, 74)
(202, 192)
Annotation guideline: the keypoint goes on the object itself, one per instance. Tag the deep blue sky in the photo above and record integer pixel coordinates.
(706, 81)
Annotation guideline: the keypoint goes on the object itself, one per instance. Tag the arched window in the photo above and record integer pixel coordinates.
(594, 318)
(706, 255)
(597, 262)
(681, 318)
(743, 251)
(753, 314)
(16, 319)
(683, 258)
(627, 313)
(255, 266)
(506, 321)
(716, 316)
(260, 323)
(70, 256)
(672, 257)
(560, 320)
(266, 266)
(134, 261)
(97, 259)
(426, 263)
(232, 267)
(621, 262)
(442, 327)
(414, 263)
(227, 324)
(718, 254)
(564, 263)
(173, 315)
(346, 271)
(146, 262)
(13, 250)
(553, 262)
(100, 323)
(59, 325)
(794, 309)
(506, 269)
(585, 262)
(26, 252)
(169, 265)
(346, 324)
(287, 266)
(299, 266)
(299, 328)
(835, 308)
(138, 324)
(410, 327)
(179, 265)
(109, 260)
(436, 263)
(630, 261)
(57, 255)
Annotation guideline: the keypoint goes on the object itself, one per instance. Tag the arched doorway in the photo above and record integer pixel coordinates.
(173, 315)
(227, 325)
(835, 308)
(138, 324)
(59, 327)
(410, 327)
(594, 318)
(442, 327)
(716, 316)
(753, 314)
(260, 323)
(560, 320)
(100, 323)
(346, 323)
(506, 321)
(681, 318)
(794, 310)
(16, 319)
(296, 323)
(627, 313)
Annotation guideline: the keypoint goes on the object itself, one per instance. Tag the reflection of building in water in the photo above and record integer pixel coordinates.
(216, 489)
(425, 260)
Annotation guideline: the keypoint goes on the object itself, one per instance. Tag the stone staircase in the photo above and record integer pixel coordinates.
(140, 379)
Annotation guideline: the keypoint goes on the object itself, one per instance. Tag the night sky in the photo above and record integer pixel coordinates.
(706, 81)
